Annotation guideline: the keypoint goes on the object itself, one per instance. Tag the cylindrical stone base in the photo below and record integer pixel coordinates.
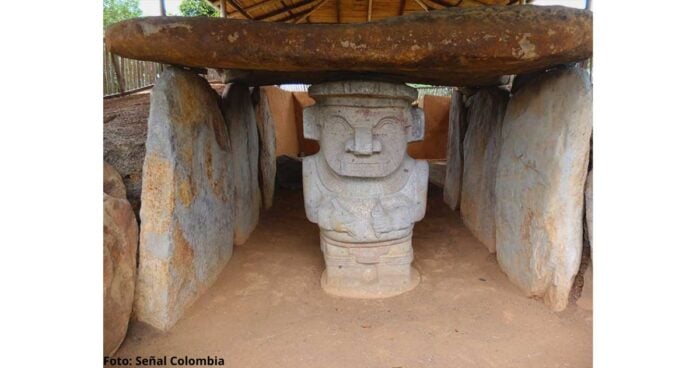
(368, 270)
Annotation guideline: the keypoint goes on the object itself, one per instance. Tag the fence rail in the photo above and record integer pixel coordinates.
(134, 74)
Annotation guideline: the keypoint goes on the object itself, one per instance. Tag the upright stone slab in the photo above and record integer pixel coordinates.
(240, 119)
(187, 200)
(268, 149)
(588, 194)
(540, 181)
(119, 245)
(362, 189)
(455, 136)
(482, 147)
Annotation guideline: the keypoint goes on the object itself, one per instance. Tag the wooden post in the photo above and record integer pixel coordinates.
(162, 7)
(120, 78)
(222, 6)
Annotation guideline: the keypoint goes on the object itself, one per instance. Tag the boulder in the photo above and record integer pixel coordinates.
(540, 182)
(112, 182)
(482, 148)
(455, 135)
(120, 239)
(268, 149)
(187, 211)
(588, 194)
(459, 47)
(239, 114)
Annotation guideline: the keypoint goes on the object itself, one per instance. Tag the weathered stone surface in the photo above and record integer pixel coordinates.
(112, 182)
(482, 147)
(455, 136)
(588, 194)
(436, 172)
(447, 47)
(362, 189)
(540, 181)
(120, 238)
(585, 300)
(187, 200)
(268, 149)
(240, 119)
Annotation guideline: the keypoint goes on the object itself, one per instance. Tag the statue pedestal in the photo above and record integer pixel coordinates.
(368, 270)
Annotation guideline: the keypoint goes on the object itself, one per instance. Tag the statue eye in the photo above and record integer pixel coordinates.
(387, 127)
(337, 126)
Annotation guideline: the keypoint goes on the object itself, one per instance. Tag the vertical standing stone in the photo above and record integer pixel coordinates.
(540, 181)
(455, 135)
(268, 150)
(482, 145)
(240, 118)
(588, 194)
(362, 189)
(120, 238)
(187, 199)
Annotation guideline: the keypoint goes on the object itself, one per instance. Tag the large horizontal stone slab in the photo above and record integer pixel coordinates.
(448, 47)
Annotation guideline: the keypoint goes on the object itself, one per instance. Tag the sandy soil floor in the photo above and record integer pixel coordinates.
(267, 308)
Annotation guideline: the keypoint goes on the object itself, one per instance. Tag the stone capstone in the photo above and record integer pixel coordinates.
(540, 183)
(459, 47)
(187, 214)
(482, 147)
(119, 246)
(240, 118)
(362, 189)
(455, 136)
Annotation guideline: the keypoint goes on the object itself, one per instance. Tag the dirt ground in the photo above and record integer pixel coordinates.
(267, 308)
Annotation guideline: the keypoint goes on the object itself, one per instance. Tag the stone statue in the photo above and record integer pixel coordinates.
(362, 188)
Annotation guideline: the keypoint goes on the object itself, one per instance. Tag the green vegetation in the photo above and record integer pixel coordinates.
(197, 8)
(114, 11)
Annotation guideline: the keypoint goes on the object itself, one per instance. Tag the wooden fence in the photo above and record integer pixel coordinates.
(134, 74)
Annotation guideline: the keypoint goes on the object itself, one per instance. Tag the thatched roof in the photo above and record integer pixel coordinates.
(339, 11)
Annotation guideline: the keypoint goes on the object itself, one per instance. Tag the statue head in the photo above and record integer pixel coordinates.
(363, 127)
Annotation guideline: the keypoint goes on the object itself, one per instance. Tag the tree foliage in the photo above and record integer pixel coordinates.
(196, 8)
(114, 11)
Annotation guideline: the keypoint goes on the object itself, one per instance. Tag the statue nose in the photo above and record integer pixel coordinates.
(363, 143)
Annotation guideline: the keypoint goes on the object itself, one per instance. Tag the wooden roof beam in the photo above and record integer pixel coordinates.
(442, 3)
(337, 11)
(402, 7)
(307, 13)
(369, 10)
(283, 10)
(240, 9)
(250, 8)
(422, 5)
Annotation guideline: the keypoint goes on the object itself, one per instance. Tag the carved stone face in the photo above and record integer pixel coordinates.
(363, 127)
(364, 142)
